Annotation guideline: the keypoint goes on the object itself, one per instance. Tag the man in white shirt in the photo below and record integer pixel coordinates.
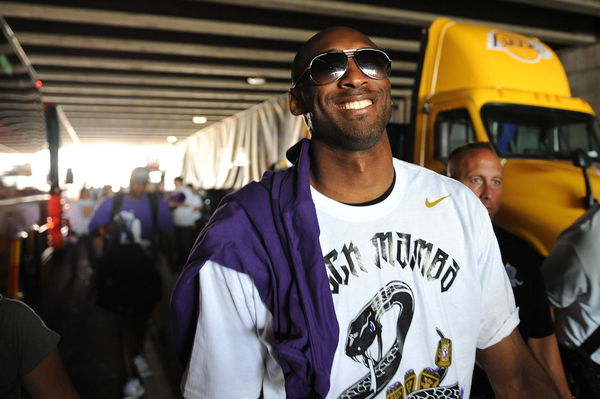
(350, 274)
(79, 213)
(184, 204)
(572, 278)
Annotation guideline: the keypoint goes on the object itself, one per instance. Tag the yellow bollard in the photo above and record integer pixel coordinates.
(14, 266)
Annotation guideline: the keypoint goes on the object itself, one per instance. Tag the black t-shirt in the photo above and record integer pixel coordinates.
(24, 342)
(522, 264)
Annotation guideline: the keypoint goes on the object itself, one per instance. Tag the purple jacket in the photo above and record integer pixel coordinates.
(269, 230)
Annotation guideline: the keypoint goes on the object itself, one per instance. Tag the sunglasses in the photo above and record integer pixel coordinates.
(330, 66)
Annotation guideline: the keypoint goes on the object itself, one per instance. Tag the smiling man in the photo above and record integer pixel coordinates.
(350, 274)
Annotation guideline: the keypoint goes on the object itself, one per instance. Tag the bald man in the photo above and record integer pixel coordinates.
(350, 274)
(477, 166)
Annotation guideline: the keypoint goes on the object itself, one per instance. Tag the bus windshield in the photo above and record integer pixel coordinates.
(533, 132)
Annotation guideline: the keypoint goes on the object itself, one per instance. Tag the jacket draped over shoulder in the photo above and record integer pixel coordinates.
(269, 231)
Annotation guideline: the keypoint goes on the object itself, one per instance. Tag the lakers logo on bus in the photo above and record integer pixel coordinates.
(520, 47)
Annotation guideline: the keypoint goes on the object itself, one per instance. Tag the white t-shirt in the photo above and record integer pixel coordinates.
(80, 213)
(416, 290)
(186, 215)
(572, 278)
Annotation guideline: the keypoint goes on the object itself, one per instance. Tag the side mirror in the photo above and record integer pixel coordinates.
(580, 158)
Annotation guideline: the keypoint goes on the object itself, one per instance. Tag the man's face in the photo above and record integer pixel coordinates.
(481, 171)
(352, 112)
(137, 188)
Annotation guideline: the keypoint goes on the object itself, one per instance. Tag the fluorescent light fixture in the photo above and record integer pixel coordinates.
(199, 119)
(172, 139)
(256, 81)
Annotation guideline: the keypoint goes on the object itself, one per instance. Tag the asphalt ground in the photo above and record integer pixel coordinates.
(89, 343)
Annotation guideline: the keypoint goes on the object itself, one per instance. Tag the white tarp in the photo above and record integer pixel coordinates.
(237, 150)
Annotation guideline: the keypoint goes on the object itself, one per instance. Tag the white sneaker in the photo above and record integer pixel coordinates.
(142, 366)
(133, 389)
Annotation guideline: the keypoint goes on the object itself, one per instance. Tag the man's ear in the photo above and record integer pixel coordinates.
(297, 107)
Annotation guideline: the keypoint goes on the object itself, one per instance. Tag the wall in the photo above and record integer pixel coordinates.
(583, 69)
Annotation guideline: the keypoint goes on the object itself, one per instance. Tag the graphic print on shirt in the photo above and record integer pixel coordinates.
(427, 384)
(394, 249)
(364, 342)
(130, 225)
(366, 327)
(512, 275)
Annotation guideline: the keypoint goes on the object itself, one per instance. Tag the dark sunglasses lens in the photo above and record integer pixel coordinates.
(328, 67)
(374, 64)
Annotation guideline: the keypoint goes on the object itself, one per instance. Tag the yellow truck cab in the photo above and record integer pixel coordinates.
(479, 83)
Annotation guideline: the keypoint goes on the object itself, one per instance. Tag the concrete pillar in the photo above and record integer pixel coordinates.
(583, 69)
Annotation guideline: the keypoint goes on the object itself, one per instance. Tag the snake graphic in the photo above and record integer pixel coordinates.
(366, 327)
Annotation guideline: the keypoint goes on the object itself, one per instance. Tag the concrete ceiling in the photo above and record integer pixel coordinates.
(138, 71)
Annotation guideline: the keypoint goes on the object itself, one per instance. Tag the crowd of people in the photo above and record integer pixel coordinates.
(350, 273)
(123, 237)
(106, 231)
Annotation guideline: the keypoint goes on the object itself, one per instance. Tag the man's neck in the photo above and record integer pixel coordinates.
(136, 195)
(349, 176)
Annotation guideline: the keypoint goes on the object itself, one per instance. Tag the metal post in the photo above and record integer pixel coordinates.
(52, 132)
(54, 204)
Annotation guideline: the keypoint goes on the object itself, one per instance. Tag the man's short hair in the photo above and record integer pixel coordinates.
(457, 154)
(140, 176)
(179, 179)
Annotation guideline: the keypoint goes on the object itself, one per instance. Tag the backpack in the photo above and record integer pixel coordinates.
(127, 281)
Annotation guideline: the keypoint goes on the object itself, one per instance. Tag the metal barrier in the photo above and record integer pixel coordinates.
(23, 240)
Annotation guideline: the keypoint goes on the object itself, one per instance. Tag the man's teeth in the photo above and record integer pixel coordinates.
(356, 104)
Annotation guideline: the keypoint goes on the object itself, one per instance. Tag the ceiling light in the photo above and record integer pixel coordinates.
(256, 81)
(199, 119)
(172, 139)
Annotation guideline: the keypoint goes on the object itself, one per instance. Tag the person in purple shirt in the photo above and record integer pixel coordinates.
(142, 218)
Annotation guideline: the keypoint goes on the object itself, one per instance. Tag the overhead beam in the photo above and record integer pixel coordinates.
(156, 66)
(169, 48)
(125, 139)
(153, 47)
(171, 93)
(119, 109)
(19, 106)
(109, 63)
(129, 116)
(153, 80)
(101, 100)
(408, 17)
(180, 24)
(66, 124)
(135, 123)
(134, 91)
(153, 142)
(109, 132)
(586, 7)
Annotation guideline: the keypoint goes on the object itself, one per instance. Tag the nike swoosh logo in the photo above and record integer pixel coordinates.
(434, 203)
